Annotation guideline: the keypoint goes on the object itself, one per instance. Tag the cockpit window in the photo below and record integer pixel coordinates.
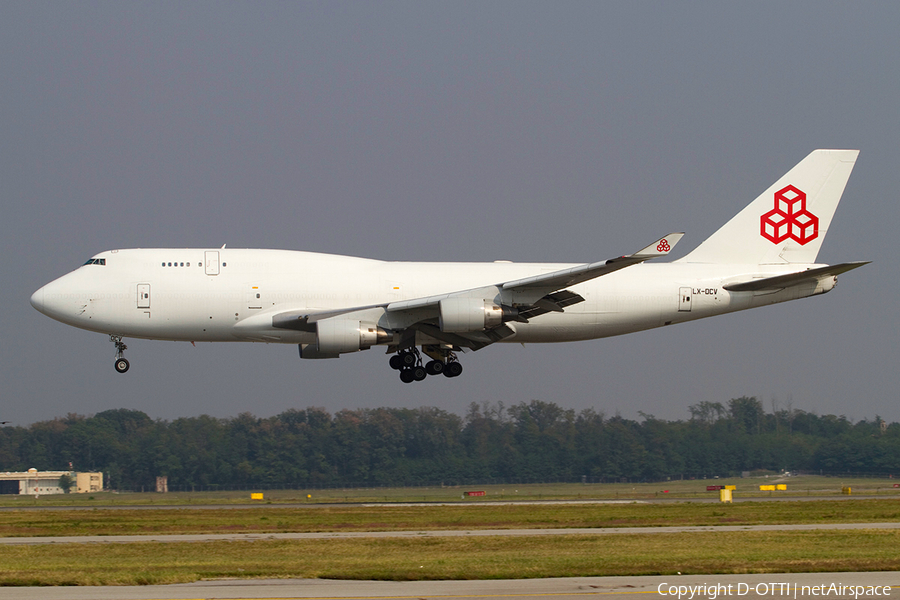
(96, 261)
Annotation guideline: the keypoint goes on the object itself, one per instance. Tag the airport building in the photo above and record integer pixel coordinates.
(38, 483)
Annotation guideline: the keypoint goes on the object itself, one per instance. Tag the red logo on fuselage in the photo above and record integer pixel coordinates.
(789, 218)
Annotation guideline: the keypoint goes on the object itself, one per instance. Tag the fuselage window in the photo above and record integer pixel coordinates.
(164, 264)
(188, 264)
(224, 264)
(170, 264)
(182, 264)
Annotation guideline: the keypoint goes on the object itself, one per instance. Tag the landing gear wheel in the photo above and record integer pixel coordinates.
(396, 362)
(453, 369)
(408, 359)
(406, 376)
(121, 364)
(434, 367)
(419, 373)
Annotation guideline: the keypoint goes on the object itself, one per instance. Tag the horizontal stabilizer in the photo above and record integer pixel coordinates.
(782, 281)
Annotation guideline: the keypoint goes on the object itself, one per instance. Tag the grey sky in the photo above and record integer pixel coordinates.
(445, 131)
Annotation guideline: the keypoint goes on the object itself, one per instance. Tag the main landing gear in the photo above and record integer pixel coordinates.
(409, 363)
(121, 363)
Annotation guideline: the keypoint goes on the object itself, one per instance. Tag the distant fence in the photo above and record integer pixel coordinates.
(332, 485)
(852, 474)
(355, 485)
(586, 480)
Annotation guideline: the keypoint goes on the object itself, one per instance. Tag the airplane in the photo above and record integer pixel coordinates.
(331, 305)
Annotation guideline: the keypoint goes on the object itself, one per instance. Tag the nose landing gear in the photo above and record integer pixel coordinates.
(121, 363)
(409, 363)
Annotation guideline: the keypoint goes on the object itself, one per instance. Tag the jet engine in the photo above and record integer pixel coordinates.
(337, 336)
(473, 314)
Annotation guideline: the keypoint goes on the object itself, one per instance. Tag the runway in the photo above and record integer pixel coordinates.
(773, 586)
(599, 531)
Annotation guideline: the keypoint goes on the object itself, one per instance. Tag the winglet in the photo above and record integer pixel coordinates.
(661, 247)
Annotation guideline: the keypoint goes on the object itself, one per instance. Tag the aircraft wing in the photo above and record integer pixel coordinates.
(783, 281)
(575, 275)
(531, 289)
(523, 299)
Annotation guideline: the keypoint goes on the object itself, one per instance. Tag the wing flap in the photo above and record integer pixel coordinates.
(475, 340)
(555, 302)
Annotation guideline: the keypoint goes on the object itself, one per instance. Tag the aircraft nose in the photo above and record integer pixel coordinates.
(37, 300)
(55, 300)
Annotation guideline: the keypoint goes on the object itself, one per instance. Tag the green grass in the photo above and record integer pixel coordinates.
(444, 558)
(452, 558)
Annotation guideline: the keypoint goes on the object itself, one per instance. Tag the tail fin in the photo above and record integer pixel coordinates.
(788, 222)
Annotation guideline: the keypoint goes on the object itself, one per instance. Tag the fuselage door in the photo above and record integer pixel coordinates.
(254, 298)
(143, 295)
(684, 299)
(211, 262)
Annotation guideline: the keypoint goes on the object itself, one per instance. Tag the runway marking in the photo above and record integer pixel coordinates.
(497, 503)
(429, 597)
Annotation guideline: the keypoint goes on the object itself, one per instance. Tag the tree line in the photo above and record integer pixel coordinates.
(528, 441)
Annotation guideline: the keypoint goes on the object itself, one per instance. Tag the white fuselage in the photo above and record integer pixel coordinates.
(219, 295)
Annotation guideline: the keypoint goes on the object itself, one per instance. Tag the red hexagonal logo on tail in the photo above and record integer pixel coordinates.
(789, 218)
